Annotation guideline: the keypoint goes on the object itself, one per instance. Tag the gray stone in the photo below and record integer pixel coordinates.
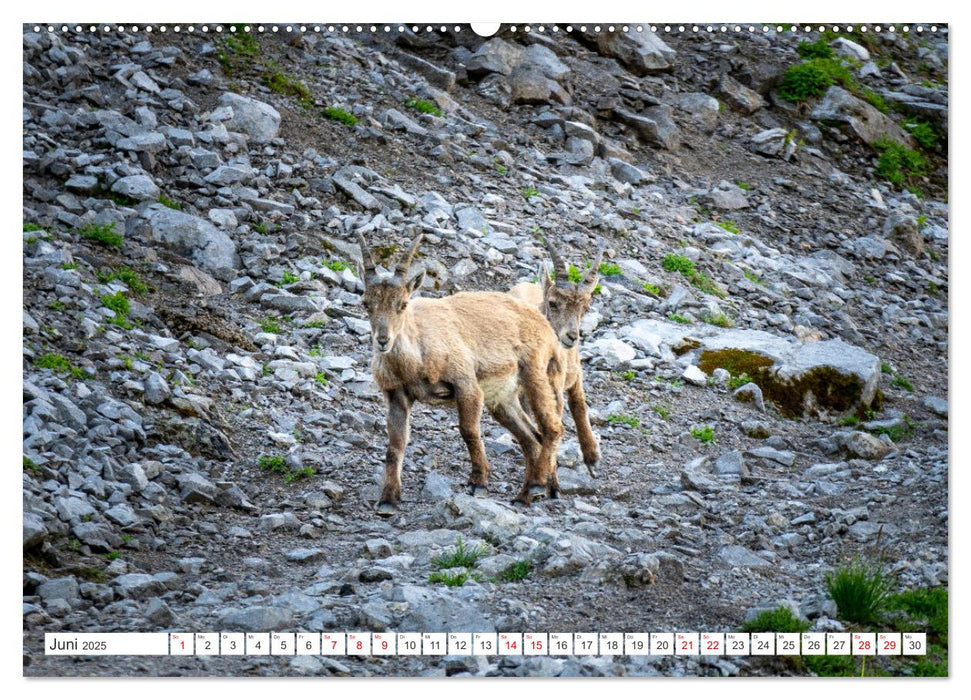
(194, 488)
(935, 405)
(193, 237)
(65, 589)
(850, 49)
(132, 473)
(34, 530)
(861, 118)
(158, 613)
(702, 109)
(625, 172)
(750, 393)
(305, 555)
(137, 586)
(615, 353)
(783, 457)
(378, 548)
(151, 142)
(494, 56)
(85, 184)
(731, 463)
(122, 514)
(394, 119)
(256, 619)
(435, 610)
(641, 53)
(258, 120)
(694, 375)
(230, 175)
(726, 196)
(776, 142)
(739, 97)
(140, 187)
(736, 556)
(489, 517)
(904, 232)
(156, 389)
(866, 446)
(654, 125)
(344, 179)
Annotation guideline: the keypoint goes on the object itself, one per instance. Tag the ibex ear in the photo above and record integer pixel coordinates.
(415, 281)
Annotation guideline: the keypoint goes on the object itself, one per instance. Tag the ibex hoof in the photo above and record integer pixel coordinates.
(537, 492)
(592, 469)
(554, 493)
(477, 490)
(386, 509)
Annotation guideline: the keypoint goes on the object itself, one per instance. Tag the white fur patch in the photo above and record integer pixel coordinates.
(499, 391)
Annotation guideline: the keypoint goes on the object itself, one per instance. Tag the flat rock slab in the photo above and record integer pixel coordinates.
(801, 378)
(193, 237)
(258, 120)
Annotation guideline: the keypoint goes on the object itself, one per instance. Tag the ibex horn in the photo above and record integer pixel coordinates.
(404, 264)
(367, 260)
(591, 276)
(560, 267)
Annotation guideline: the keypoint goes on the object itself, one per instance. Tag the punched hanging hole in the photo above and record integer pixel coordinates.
(485, 28)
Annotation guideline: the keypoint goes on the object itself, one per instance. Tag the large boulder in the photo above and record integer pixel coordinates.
(800, 378)
(258, 120)
(641, 53)
(192, 236)
(861, 118)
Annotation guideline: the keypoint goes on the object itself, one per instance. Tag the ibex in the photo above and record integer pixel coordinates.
(470, 349)
(564, 303)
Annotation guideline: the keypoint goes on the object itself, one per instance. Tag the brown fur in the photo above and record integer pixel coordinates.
(564, 303)
(472, 350)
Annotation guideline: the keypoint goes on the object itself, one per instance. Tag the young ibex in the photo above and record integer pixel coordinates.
(564, 303)
(470, 349)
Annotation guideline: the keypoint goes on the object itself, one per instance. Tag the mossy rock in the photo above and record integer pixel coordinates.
(804, 378)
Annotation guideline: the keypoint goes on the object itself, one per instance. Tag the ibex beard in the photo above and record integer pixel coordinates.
(564, 303)
(471, 350)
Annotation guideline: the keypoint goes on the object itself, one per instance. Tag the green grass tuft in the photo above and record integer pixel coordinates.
(517, 571)
(423, 106)
(59, 365)
(623, 419)
(102, 233)
(816, 49)
(898, 164)
(340, 115)
(678, 318)
(779, 619)
(706, 435)
(460, 556)
(859, 590)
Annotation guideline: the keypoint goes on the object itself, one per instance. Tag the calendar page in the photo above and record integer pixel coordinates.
(436, 350)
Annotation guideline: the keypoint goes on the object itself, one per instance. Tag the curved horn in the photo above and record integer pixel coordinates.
(404, 264)
(367, 260)
(559, 264)
(591, 277)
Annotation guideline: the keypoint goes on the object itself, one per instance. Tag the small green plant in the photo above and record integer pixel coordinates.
(237, 52)
(752, 277)
(678, 263)
(729, 226)
(886, 368)
(706, 435)
(111, 556)
(629, 375)
(898, 164)
(31, 466)
(285, 84)
(738, 381)
(340, 115)
(288, 278)
(337, 265)
(456, 578)
(901, 381)
(678, 318)
(529, 192)
(516, 571)
(273, 463)
(875, 99)
(779, 619)
(651, 289)
(423, 106)
(859, 590)
(662, 411)
(315, 324)
(719, 319)
(31, 227)
(501, 169)
(69, 266)
(170, 203)
(118, 303)
(59, 365)
(623, 419)
(816, 49)
(270, 325)
(460, 556)
(321, 378)
(812, 78)
(849, 421)
(102, 233)
(296, 474)
(924, 133)
(743, 185)
(57, 305)
(260, 227)
(131, 279)
(609, 269)
(932, 289)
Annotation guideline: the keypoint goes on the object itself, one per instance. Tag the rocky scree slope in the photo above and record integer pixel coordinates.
(202, 442)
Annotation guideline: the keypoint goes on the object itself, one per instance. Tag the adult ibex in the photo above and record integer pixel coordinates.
(564, 303)
(470, 349)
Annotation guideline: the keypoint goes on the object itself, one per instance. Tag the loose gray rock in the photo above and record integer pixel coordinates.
(258, 120)
(193, 237)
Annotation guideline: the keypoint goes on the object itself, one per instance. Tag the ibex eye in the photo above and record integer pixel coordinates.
(554, 305)
(403, 306)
